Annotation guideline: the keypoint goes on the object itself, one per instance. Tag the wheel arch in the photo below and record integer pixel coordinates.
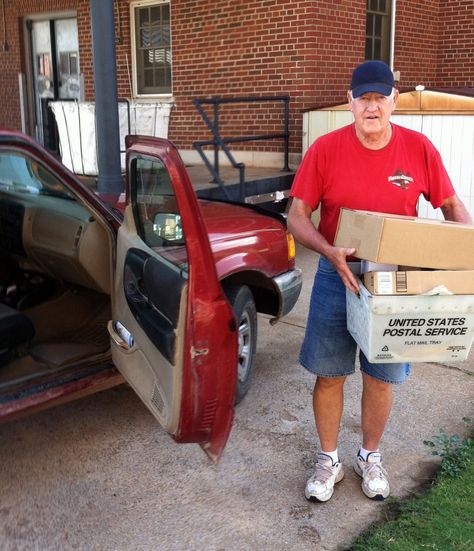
(265, 295)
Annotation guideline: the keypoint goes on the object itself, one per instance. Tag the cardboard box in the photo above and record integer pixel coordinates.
(416, 328)
(368, 266)
(392, 239)
(417, 282)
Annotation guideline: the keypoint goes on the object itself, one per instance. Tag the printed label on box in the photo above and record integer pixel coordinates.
(385, 282)
(425, 327)
(411, 328)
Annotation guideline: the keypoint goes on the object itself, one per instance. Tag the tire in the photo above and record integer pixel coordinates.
(241, 300)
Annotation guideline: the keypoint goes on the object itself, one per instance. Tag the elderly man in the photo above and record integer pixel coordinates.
(354, 167)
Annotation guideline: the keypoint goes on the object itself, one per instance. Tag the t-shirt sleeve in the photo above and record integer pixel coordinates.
(307, 183)
(440, 185)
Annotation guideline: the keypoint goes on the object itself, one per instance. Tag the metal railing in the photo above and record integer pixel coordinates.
(220, 143)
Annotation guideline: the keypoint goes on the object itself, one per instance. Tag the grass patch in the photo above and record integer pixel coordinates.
(441, 519)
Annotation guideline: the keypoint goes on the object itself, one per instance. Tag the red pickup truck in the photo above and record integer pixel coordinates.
(165, 290)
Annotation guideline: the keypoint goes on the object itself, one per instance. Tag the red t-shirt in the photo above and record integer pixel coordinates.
(338, 171)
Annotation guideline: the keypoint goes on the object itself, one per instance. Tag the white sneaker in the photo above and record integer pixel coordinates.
(374, 477)
(320, 486)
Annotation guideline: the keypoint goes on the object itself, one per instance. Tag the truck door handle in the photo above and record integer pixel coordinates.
(134, 294)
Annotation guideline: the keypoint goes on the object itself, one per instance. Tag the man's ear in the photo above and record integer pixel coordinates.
(349, 98)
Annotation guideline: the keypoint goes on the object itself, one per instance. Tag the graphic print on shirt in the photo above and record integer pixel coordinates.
(400, 179)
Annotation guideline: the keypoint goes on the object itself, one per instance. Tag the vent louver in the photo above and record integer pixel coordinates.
(157, 400)
(78, 236)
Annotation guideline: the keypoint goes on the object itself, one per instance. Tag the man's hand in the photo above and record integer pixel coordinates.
(337, 256)
(301, 226)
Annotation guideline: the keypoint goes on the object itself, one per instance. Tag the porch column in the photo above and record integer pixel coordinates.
(106, 106)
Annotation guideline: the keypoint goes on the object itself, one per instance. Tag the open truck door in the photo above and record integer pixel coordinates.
(173, 334)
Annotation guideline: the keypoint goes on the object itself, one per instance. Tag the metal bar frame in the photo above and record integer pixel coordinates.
(220, 143)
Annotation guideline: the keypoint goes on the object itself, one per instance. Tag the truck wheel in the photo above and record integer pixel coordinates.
(241, 300)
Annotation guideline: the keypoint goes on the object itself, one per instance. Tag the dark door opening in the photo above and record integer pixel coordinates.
(54, 47)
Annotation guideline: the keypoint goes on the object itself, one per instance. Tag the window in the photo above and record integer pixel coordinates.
(43, 65)
(156, 211)
(21, 175)
(68, 63)
(152, 47)
(377, 34)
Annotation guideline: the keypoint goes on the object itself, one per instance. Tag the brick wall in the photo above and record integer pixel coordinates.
(255, 48)
(456, 53)
(269, 47)
(416, 42)
(302, 48)
(227, 48)
(434, 43)
(10, 62)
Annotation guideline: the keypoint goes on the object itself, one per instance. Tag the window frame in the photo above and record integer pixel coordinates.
(134, 5)
(387, 33)
(156, 196)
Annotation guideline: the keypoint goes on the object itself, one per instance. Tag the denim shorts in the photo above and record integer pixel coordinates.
(328, 348)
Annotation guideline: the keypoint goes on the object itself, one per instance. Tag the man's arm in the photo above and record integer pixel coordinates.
(455, 211)
(302, 227)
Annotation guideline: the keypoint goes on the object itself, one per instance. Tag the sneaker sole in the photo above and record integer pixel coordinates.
(367, 491)
(328, 495)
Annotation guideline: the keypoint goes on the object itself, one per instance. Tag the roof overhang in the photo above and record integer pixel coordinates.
(428, 102)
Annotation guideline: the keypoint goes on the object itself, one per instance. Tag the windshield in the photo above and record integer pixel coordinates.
(21, 174)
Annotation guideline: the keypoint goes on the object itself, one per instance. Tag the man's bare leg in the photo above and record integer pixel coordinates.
(376, 407)
(328, 402)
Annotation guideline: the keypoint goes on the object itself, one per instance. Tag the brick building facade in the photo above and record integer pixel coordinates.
(302, 48)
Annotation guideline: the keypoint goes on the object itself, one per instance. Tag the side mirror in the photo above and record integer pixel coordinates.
(167, 225)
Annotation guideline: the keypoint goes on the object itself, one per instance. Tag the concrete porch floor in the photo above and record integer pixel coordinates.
(201, 178)
(267, 185)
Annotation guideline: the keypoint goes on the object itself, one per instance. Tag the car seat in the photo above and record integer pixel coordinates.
(16, 330)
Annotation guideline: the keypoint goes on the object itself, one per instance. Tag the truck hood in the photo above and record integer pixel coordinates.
(242, 238)
(226, 221)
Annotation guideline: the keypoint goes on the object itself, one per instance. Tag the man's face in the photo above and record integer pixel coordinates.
(372, 112)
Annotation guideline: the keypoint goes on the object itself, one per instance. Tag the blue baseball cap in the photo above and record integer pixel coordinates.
(372, 76)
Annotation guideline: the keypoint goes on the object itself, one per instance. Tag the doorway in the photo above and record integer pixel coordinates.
(54, 48)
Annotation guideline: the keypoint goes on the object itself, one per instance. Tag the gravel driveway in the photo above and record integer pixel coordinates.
(99, 474)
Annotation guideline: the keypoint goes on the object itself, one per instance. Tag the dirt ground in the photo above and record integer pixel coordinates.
(100, 474)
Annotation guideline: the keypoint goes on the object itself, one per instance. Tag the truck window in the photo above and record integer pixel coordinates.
(156, 211)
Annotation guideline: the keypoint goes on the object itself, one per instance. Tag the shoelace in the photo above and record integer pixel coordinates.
(322, 473)
(375, 470)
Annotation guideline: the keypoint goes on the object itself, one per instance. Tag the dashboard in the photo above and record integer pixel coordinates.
(58, 237)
